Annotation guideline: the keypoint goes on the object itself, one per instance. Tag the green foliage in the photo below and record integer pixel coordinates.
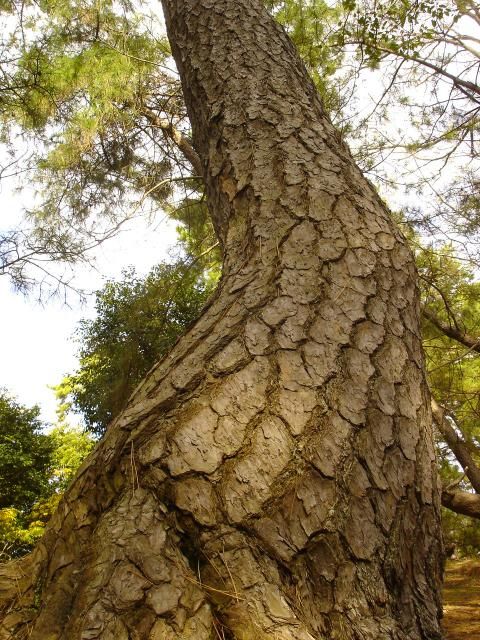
(93, 94)
(16, 536)
(137, 321)
(451, 292)
(20, 530)
(197, 236)
(462, 531)
(71, 445)
(401, 27)
(35, 467)
(85, 84)
(25, 455)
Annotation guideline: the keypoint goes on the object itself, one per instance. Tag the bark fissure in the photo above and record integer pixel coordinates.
(272, 471)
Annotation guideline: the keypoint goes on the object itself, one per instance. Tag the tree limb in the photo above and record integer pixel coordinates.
(467, 504)
(470, 89)
(452, 332)
(181, 141)
(455, 483)
(457, 445)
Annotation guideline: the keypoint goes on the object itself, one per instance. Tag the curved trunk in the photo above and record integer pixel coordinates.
(274, 476)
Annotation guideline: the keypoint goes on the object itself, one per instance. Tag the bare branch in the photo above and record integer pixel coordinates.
(469, 89)
(467, 504)
(456, 482)
(180, 140)
(457, 444)
(453, 332)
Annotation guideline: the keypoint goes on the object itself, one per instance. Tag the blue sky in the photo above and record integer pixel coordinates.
(36, 346)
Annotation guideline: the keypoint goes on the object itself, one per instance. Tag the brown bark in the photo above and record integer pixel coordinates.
(467, 504)
(274, 476)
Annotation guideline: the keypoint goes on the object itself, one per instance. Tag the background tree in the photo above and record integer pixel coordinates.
(137, 321)
(71, 445)
(35, 466)
(25, 454)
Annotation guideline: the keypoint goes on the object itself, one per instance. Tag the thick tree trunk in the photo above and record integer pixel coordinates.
(273, 477)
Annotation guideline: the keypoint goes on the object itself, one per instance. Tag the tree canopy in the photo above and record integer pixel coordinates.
(103, 146)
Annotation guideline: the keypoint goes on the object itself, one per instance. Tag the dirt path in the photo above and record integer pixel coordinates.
(461, 596)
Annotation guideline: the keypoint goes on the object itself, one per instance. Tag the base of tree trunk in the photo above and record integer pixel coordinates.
(250, 490)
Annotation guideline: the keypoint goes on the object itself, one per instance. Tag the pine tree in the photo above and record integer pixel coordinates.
(274, 476)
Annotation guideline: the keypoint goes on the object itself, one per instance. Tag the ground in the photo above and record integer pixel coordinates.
(462, 600)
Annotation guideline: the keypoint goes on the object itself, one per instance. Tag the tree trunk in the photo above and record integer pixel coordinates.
(274, 476)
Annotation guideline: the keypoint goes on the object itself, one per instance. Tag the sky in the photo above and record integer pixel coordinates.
(36, 345)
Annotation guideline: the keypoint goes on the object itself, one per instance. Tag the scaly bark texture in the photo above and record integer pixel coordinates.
(274, 477)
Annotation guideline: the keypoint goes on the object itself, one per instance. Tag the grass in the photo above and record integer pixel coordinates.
(461, 600)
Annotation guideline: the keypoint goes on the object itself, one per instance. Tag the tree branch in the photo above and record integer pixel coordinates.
(455, 483)
(465, 86)
(457, 445)
(181, 141)
(452, 332)
(467, 504)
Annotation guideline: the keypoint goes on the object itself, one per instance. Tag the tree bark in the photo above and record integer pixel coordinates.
(467, 504)
(274, 476)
